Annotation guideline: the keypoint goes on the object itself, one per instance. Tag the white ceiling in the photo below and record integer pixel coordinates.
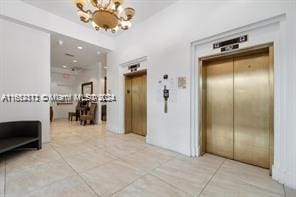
(67, 9)
(86, 57)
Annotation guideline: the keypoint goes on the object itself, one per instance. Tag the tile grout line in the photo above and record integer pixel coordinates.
(116, 158)
(42, 187)
(66, 176)
(5, 172)
(164, 180)
(5, 175)
(247, 183)
(211, 178)
(263, 189)
(170, 184)
(146, 173)
(120, 159)
(112, 194)
(260, 188)
(99, 165)
(76, 173)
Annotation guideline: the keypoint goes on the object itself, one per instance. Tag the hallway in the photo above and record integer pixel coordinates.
(88, 161)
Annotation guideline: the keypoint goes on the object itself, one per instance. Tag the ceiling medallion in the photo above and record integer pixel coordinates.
(107, 14)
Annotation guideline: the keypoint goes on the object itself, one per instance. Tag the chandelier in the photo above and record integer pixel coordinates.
(107, 14)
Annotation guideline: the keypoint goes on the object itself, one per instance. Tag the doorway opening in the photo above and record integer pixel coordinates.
(236, 99)
(136, 103)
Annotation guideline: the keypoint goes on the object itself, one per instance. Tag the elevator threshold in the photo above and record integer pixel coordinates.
(246, 163)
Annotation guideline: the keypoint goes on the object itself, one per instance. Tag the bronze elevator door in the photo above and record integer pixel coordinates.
(238, 108)
(135, 104)
(252, 109)
(220, 108)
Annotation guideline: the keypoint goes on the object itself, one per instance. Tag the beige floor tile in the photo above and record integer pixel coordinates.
(70, 187)
(290, 192)
(189, 174)
(147, 159)
(111, 177)
(87, 160)
(161, 150)
(133, 138)
(207, 160)
(106, 141)
(73, 149)
(98, 142)
(2, 176)
(148, 186)
(19, 160)
(135, 144)
(108, 163)
(252, 175)
(68, 139)
(225, 185)
(30, 179)
(123, 149)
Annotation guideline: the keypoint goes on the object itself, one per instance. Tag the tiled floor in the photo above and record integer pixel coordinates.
(89, 162)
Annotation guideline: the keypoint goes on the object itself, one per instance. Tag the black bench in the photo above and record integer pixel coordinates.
(20, 134)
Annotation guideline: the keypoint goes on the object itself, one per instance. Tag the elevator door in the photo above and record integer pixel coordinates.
(238, 108)
(135, 104)
(252, 109)
(220, 108)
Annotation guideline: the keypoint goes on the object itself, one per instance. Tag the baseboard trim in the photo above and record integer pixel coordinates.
(114, 129)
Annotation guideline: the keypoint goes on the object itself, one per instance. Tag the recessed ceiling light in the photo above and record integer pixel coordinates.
(79, 47)
(64, 66)
(60, 42)
(106, 67)
(98, 52)
(75, 61)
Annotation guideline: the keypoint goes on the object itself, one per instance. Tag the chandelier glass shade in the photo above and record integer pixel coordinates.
(107, 14)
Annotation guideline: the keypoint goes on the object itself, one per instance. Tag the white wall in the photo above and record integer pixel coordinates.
(165, 39)
(24, 68)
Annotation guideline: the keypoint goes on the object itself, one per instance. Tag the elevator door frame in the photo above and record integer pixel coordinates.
(126, 76)
(202, 94)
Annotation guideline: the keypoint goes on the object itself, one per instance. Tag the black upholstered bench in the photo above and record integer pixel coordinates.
(20, 134)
